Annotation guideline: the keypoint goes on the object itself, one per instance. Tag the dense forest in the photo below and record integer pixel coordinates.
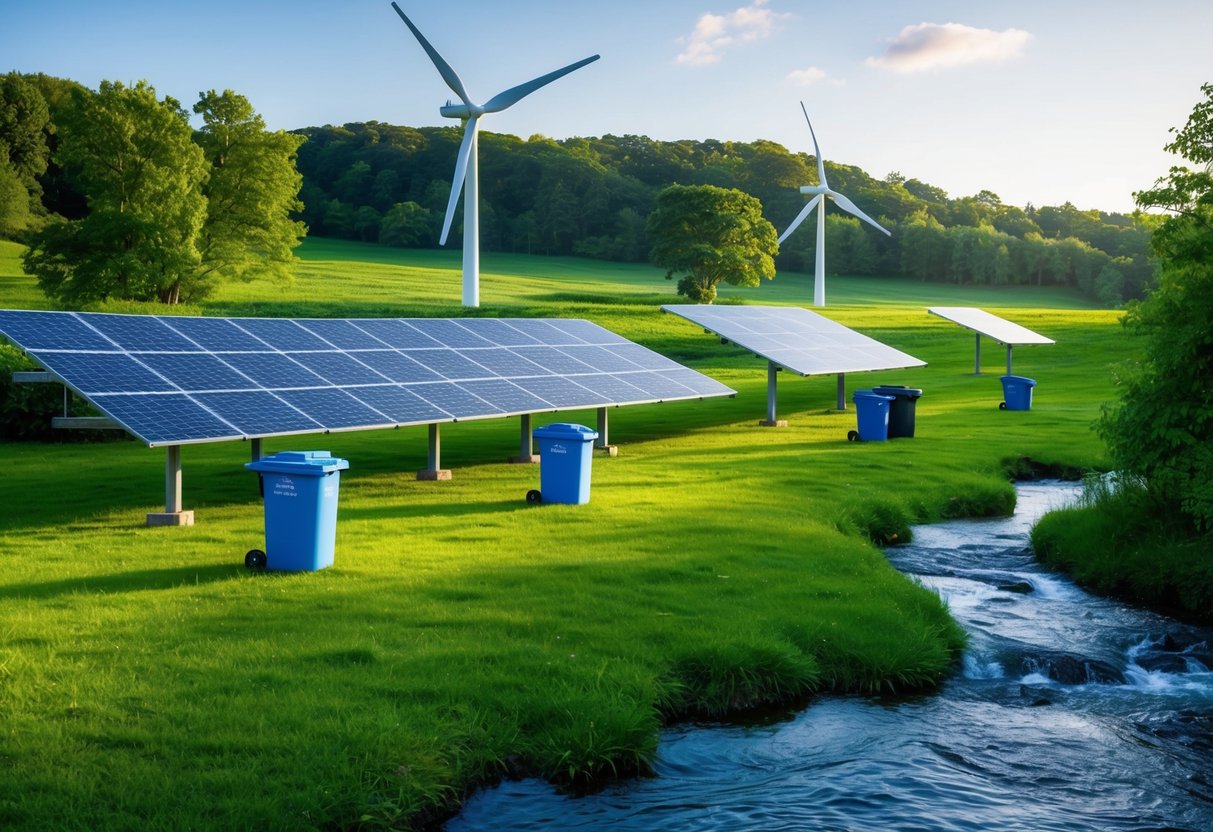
(591, 197)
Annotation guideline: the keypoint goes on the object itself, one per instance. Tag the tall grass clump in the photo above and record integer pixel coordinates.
(1117, 540)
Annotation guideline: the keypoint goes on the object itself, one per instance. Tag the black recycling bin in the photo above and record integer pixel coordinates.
(901, 410)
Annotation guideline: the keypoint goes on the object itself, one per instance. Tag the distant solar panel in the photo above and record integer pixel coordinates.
(176, 380)
(983, 323)
(804, 342)
(991, 326)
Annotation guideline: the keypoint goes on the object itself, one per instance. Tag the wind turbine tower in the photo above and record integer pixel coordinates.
(820, 191)
(465, 162)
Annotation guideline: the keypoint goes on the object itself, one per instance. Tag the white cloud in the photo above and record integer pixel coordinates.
(714, 33)
(806, 77)
(938, 45)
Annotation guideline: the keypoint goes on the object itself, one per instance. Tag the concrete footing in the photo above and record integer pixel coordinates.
(773, 423)
(608, 450)
(527, 459)
(170, 518)
(434, 475)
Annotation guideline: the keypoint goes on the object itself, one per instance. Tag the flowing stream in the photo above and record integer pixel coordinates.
(1071, 713)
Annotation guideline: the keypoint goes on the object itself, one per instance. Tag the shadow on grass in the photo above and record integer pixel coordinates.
(402, 510)
(139, 581)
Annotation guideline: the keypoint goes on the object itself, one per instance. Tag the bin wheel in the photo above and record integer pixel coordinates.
(852, 435)
(534, 497)
(1002, 405)
(255, 559)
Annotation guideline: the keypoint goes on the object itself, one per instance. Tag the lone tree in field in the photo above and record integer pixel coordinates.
(170, 213)
(708, 234)
(1162, 427)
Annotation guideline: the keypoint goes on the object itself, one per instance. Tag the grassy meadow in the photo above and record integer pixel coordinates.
(148, 680)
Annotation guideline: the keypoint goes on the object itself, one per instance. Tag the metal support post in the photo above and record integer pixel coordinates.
(526, 446)
(771, 421)
(1008, 359)
(603, 441)
(433, 470)
(254, 449)
(173, 514)
(842, 391)
(977, 360)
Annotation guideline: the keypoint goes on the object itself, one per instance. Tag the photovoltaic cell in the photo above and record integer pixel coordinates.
(799, 340)
(216, 334)
(396, 366)
(173, 380)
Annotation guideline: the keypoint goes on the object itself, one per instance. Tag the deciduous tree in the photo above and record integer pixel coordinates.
(251, 191)
(708, 234)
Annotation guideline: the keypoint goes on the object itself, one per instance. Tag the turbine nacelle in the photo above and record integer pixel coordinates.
(460, 111)
(814, 190)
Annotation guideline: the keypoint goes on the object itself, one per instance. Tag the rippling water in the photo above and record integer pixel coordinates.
(1072, 712)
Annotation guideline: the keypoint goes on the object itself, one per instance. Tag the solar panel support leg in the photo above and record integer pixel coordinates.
(1008, 359)
(842, 391)
(771, 421)
(432, 471)
(977, 359)
(173, 514)
(603, 441)
(254, 450)
(526, 446)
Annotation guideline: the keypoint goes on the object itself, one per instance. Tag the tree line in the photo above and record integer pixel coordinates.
(116, 195)
(591, 197)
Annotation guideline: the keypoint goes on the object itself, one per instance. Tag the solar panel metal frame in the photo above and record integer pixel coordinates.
(337, 374)
(990, 325)
(793, 338)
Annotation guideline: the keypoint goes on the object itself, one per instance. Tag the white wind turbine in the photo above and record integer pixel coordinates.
(465, 162)
(820, 191)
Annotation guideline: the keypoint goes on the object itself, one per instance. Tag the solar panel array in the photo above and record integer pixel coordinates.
(798, 340)
(176, 380)
(991, 326)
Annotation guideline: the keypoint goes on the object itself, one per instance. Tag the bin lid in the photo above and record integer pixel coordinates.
(897, 390)
(300, 463)
(566, 430)
(868, 394)
(1031, 382)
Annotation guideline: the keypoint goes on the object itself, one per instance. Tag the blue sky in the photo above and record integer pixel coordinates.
(1039, 102)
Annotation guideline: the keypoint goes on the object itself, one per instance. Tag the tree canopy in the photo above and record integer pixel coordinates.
(707, 234)
(1161, 428)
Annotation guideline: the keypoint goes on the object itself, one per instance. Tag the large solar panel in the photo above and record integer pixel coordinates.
(172, 380)
(991, 326)
(796, 339)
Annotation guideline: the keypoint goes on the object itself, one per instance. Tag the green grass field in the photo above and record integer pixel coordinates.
(148, 680)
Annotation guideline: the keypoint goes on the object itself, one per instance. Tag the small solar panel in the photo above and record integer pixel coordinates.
(796, 339)
(176, 380)
(991, 326)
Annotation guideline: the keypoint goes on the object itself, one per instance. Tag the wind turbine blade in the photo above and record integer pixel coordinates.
(461, 169)
(514, 94)
(804, 212)
(444, 69)
(850, 207)
(821, 165)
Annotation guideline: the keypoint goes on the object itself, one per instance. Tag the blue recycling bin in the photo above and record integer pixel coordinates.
(872, 416)
(565, 454)
(1017, 392)
(300, 490)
